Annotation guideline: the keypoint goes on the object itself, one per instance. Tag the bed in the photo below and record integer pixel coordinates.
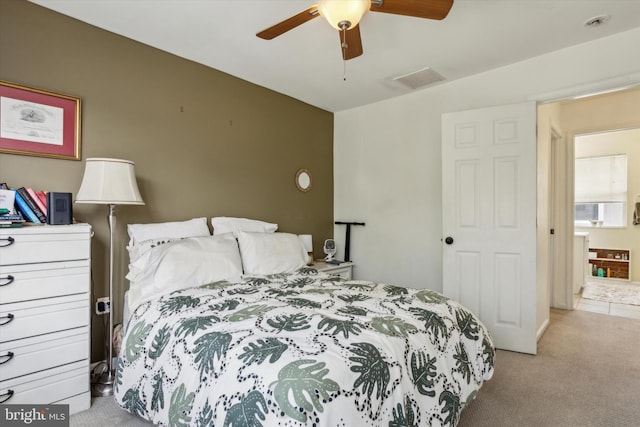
(252, 347)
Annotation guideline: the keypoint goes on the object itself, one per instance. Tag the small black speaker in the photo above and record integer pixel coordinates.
(59, 208)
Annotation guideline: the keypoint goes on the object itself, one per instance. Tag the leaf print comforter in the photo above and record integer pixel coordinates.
(302, 349)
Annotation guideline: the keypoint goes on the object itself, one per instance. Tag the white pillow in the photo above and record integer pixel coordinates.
(225, 224)
(144, 246)
(195, 227)
(183, 264)
(271, 253)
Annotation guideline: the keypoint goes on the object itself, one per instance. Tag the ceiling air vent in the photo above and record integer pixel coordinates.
(419, 78)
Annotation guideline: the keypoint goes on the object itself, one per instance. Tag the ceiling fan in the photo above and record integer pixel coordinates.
(344, 15)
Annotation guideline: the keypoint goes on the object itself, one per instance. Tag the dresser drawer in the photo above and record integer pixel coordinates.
(46, 387)
(345, 273)
(19, 360)
(27, 319)
(344, 269)
(37, 281)
(33, 247)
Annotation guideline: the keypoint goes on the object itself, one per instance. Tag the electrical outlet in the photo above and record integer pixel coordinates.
(103, 305)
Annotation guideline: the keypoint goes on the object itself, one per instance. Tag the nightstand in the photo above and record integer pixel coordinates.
(344, 269)
(45, 315)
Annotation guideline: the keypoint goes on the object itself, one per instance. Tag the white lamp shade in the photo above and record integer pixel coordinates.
(336, 11)
(109, 181)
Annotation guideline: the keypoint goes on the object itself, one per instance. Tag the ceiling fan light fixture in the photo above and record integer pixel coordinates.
(337, 12)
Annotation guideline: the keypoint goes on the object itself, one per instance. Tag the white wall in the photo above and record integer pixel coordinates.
(387, 165)
(548, 146)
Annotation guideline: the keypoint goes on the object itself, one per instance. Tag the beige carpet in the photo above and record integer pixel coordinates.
(104, 412)
(586, 374)
(612, 292)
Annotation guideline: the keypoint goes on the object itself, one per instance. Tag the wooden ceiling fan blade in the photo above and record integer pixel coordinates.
(289, 24)
(351, 43)
(429, 9)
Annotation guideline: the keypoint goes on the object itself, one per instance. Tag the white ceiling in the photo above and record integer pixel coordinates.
(305, 63)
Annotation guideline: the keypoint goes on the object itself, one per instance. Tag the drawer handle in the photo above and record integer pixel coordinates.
(9, 239)
(9, 318)
(9, 356)
(8, 395)
(9, 280)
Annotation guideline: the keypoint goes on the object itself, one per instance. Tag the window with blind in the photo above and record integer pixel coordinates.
(601, 191)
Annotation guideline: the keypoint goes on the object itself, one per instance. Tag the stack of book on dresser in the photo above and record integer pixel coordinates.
(22, 205)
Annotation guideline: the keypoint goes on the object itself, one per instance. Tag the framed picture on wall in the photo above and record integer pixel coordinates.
(36, 122)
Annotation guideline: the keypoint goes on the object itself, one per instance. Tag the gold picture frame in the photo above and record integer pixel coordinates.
(37, 122)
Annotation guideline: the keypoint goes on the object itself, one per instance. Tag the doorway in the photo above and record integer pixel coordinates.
(605, 214)
(596, 114)
(555, 144)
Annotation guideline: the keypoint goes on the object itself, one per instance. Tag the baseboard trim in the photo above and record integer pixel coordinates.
(609, 280)
(542, 328)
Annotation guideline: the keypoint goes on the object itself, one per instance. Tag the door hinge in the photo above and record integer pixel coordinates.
(553, 231)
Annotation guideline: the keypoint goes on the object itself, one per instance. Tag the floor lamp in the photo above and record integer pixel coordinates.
(109, 182)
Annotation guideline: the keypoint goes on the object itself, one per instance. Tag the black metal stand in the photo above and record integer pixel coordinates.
(348, 237)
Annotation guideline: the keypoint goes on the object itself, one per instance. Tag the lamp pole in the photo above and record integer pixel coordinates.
(104, 384)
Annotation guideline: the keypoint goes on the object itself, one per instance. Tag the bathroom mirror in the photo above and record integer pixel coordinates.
(303, 180)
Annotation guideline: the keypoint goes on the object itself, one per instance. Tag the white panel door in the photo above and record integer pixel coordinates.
(489, 219)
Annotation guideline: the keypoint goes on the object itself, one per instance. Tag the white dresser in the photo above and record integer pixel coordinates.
(344, 269)
(45, 315)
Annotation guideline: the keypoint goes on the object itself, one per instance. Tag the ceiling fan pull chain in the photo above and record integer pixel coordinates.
(344, 51)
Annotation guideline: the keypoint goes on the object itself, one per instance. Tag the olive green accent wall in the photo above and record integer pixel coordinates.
(205, 143)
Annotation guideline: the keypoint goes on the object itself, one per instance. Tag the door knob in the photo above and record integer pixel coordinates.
(448, 240)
